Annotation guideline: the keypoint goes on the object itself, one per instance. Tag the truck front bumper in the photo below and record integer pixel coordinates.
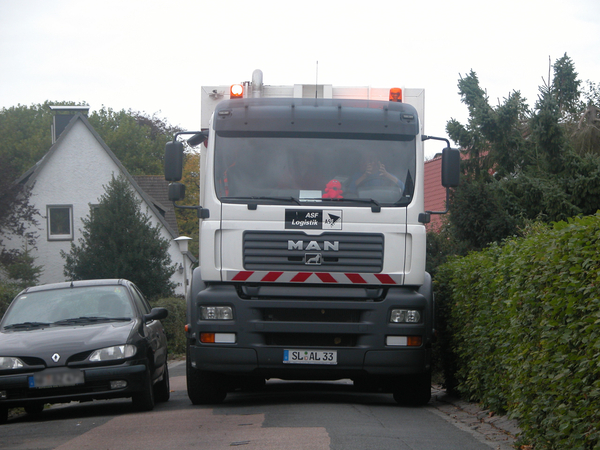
(268, 362)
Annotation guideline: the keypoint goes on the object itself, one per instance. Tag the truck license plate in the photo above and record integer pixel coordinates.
(310, 357)
(57, 378)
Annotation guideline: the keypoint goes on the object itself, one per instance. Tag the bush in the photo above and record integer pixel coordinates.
(523, 329)
(8, 291)
(174, 324)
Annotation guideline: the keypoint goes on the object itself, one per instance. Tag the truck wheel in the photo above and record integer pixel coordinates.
(162, 389)
(34, 409)
(204, 388)
(413, 390)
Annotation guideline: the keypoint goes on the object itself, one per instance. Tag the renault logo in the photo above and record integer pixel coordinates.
(55, 357)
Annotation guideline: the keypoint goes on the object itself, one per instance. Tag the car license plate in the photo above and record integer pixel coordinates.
(56, 378)
(310, 357)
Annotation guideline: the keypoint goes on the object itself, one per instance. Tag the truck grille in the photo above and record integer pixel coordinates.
(328, 252)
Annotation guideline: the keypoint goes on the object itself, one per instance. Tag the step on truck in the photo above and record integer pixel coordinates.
(312, 239)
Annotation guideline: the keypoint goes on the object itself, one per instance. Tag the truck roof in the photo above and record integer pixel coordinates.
(211, 96)
(317, 116)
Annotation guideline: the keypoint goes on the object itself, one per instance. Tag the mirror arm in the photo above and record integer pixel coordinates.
(202, 213)
(426, 138)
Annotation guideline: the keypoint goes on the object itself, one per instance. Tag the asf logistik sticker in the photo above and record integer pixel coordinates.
(328, 219)
(332, 219)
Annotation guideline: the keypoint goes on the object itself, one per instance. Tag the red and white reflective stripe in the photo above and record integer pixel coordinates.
(250, 276)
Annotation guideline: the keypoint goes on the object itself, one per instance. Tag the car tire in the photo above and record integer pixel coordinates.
(413, 390)
(3, 415)
(162, 389)
(34, 408)
(204, 388)
(144, 400)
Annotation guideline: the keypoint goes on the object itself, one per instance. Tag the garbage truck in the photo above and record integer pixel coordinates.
(312, 239)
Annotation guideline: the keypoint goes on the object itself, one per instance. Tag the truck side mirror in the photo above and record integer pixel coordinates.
(173, 161)
(450, 167)
(176, 192)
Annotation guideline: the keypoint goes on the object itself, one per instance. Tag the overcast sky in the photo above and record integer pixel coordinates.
(153, 56)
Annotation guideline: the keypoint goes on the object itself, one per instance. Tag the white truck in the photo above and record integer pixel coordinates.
(312, 239)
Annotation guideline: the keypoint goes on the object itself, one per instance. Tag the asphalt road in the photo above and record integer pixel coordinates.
(285, 415)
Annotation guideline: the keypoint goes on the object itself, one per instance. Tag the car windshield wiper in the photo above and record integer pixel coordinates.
(25, 325)
(90, 319)
(284, 199)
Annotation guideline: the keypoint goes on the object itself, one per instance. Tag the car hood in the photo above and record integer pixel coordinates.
(69, 340)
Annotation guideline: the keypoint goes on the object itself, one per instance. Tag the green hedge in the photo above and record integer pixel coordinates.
(174, 324)
(520, 331)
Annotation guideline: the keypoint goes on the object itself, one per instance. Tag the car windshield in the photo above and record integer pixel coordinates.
(77, 305)
(300, 169)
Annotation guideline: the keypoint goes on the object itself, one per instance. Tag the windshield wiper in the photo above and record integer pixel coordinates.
(370, 201)
(285, 199)
(90, 319)
(25, 325)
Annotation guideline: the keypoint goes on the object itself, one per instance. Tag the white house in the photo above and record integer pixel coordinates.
(71, 178)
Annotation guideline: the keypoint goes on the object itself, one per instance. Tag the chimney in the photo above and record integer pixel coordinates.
(62, 117)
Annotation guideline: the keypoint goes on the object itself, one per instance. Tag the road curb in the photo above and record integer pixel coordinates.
(498, 431)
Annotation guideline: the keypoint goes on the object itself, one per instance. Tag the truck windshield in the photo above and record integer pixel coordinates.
(302, 169)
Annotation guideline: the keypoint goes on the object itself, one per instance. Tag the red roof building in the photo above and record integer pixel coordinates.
(435, 193)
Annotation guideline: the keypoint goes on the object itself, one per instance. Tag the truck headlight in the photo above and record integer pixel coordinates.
(216, 312)
(405, 316)
(9, 362)
(113, 353)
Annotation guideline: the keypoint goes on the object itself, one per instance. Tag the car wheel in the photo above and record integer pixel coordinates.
(3, 415)
(204, 387)
(34, 408)
(413, 390)
(144, 400)
(162, 389)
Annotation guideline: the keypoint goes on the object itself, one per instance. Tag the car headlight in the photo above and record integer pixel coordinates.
(216, 312)
(113, 353)
(9, 362)
(405, 316)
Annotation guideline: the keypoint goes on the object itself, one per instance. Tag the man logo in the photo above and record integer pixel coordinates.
(313, 259)
(314, 245)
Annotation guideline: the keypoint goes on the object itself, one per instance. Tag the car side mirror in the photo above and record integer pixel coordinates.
(156, 314)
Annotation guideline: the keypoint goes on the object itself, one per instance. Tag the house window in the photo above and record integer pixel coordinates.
(60, 222)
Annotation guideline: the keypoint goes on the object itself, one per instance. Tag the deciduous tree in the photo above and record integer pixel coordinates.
(18, 220)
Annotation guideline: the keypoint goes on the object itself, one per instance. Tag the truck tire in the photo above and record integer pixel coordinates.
(413, 390)
(33, 409)
(204, 388)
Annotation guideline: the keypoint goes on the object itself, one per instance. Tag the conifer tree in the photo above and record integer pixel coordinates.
(119, 241)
